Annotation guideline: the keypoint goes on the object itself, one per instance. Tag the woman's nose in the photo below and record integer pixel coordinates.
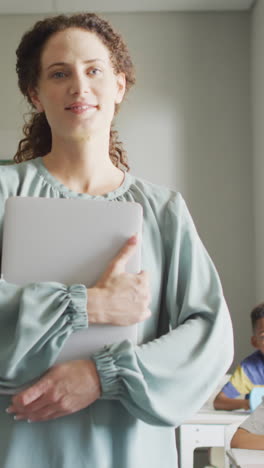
(79, 84)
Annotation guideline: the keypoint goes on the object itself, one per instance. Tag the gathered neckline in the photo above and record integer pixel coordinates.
(67, 192)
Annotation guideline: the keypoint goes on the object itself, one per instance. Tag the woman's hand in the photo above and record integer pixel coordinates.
(63, 390)
(120, 298)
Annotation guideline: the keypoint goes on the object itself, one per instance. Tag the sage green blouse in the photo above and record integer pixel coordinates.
(184, 347)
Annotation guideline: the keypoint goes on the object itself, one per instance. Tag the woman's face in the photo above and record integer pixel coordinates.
(77, 88)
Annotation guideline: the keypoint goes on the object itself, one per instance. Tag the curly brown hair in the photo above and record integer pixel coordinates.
(37, 140)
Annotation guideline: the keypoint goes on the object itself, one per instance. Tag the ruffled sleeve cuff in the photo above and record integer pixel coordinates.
(113, 363)
(108, 370)
(77, 308)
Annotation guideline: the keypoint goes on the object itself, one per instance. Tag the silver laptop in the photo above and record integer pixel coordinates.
(70, 241)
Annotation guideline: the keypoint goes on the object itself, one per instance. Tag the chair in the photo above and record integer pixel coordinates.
(230, 429)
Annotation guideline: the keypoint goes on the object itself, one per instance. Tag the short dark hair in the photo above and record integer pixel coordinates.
(256, 314)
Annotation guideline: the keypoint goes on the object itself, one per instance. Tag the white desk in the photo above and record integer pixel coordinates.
(205, 429)
(241, 458)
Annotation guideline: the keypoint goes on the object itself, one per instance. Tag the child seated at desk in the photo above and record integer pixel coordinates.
(250, 434)
(250, 372)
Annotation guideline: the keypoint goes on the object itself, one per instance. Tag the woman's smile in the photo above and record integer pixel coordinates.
(81, 108)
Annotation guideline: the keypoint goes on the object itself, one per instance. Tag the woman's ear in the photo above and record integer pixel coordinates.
(121, 87)
(33, 94)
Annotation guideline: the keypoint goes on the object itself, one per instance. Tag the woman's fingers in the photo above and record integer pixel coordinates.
(120, 298)
(32, 399)
(49, 415)
(32, 393)
(125, 253)
(36, 414)
(118, 264)
(47, 410)
(66, 388)
(35, 406)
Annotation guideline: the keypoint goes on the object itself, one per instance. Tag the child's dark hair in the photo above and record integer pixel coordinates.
(256, 314)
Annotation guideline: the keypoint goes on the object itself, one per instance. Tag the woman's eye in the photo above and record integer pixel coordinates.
(94, 71)
(59, 74)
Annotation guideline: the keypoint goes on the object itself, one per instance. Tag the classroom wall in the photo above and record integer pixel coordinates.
(257, 54)
(187, 124)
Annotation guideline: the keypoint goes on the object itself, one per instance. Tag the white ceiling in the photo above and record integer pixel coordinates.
(54, 6)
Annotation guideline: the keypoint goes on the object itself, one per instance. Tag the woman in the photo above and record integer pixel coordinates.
(118, 409)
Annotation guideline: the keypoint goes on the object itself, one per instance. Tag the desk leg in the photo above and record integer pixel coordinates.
(186, 447)
(192, 436)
